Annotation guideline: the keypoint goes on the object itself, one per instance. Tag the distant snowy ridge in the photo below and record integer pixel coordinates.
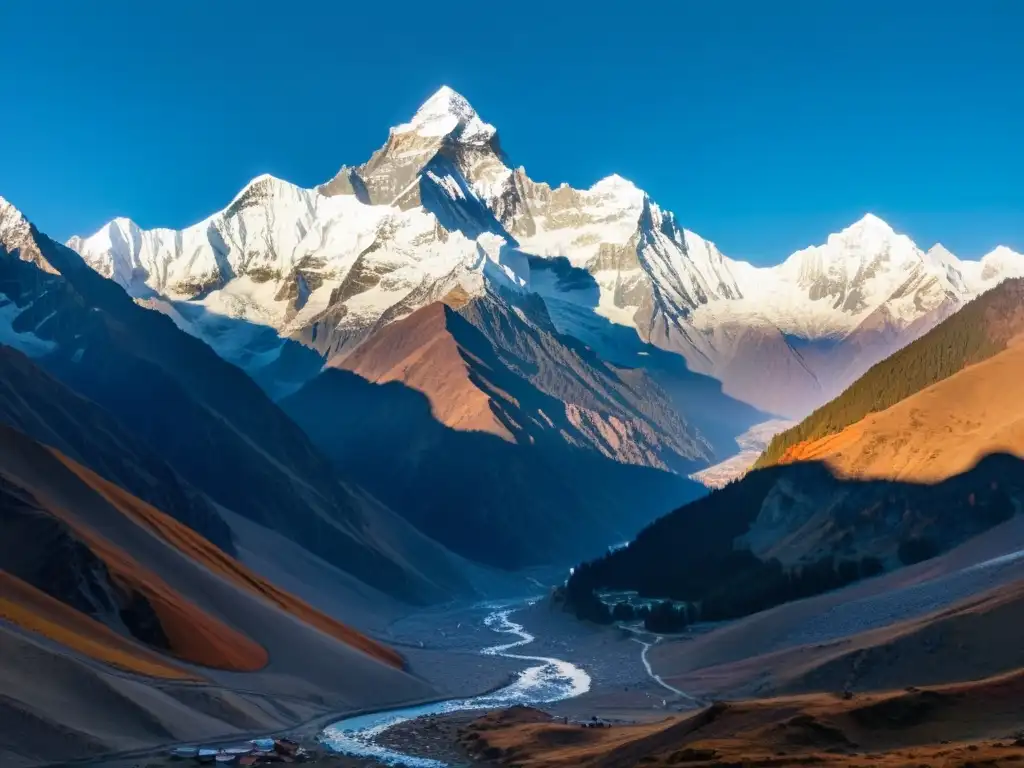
(284, 258)
(439, 206)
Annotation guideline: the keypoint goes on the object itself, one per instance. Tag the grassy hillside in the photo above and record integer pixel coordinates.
(978, 331)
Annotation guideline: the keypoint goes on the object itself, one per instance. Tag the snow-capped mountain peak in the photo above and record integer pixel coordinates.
(870, 234)
(615, 184)
(866, 241)
(945, 261)
(869, 222)
(265, 181)
(12, 223)
(939, 254)
(439, 207)
(17, 235)
(998, 264)
(448, 113)
(1002, 253)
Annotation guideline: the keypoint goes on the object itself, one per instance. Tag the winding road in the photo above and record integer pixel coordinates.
(656, 677)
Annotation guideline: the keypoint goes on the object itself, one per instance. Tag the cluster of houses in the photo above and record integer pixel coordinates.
(257, 752)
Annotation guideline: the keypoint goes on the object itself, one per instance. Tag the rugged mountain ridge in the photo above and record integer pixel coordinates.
(981, 330)
(919, 454)
(203, 416)
(440, 205)
(123, 629)
(532, 451)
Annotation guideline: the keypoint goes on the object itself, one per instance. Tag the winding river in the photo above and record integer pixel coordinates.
(547, 681)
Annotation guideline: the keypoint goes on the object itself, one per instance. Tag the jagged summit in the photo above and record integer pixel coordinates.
(870, 239)
(264, 178)
(445, 113)
(440, 207)
(266, 184)
(940, 256)
(14, 227)
(9, 211)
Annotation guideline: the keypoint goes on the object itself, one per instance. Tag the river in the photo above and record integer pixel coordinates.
(547, 681)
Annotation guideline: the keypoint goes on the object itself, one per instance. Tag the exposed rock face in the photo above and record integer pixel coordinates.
(43, 551)
(326, 267)
(496, 437)
(223, 436)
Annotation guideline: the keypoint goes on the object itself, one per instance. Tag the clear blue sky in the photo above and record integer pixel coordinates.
(763, 125)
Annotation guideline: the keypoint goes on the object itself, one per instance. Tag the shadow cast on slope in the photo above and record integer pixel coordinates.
(214, 425)
(698, 398)
(791, 531)
(37, 404)
(278, 364)
(493, 501)
(540, 382)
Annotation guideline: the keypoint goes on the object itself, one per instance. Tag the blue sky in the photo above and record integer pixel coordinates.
(763, 125)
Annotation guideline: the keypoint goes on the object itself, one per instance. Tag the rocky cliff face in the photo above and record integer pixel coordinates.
(283, 270)
(204, 421)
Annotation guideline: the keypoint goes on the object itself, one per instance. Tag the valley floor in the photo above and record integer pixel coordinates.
(853, 638)
(947, 620)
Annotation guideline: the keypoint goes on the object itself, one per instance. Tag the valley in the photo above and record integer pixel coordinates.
(427, 461)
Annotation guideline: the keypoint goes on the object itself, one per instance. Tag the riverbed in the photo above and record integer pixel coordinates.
(546, 680)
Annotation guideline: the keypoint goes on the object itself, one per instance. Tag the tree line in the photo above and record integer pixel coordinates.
(978, 331)
(697, 559)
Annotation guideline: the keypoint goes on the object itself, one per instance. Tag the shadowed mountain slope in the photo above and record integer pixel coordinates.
(515, 475)
(40, 406)
(203, 416)
(787, 532)
(105, 597)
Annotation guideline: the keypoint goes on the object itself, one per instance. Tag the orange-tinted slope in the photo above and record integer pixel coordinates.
(191, 633)
(936, 433)
(194, 635)
(35, 611)
(962, 725)
(199, 549)
(186, 631)
(421, 352)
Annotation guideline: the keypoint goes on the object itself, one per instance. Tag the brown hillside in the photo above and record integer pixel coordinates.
(936, 433)
(974, 638)
(193, 634)
(962, 725)
(421, 352)
(130, 588)
(199, 549)
(982, 329)
(27, 607)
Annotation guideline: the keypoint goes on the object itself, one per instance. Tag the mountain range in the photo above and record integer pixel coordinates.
(549, 335)
(918, 455)
(440, 205)
(136, 374)
(225, 448)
